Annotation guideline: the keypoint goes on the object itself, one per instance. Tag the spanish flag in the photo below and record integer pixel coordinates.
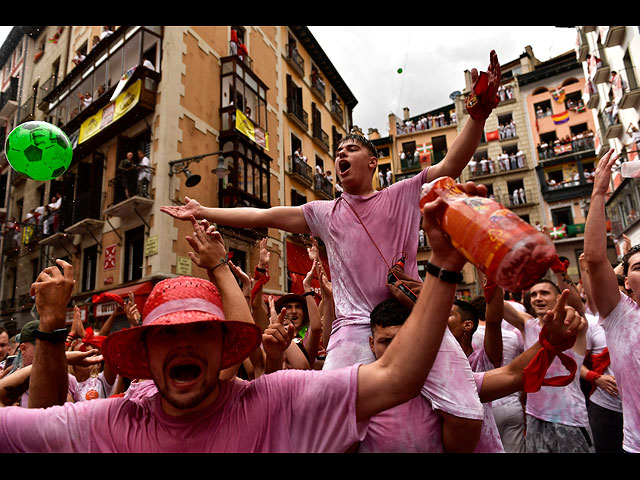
(561, 117)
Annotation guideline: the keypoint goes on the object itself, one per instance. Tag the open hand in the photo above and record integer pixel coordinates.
(184, 212)
(602, 178)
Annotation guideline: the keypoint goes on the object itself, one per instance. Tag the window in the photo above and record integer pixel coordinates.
(297, 198)
(133, 253)
(439, 148)
(562, 216)
(89, 268)
(542, 109)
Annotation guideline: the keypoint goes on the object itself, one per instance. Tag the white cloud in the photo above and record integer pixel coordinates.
(433, 59)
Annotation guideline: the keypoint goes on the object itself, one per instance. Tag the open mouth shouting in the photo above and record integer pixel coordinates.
(343, 166)
(183, 373)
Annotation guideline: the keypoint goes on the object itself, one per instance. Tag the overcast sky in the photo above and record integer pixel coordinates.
(433, 60)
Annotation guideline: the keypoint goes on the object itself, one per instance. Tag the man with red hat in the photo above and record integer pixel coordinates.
(192, 330)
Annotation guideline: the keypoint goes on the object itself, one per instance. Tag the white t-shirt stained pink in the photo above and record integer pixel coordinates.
(287, 411)
(622, 327)
(358, 274)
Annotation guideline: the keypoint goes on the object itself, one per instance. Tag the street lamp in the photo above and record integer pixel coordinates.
(182, 166)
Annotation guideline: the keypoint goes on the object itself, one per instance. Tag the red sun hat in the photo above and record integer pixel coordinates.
(179, 301)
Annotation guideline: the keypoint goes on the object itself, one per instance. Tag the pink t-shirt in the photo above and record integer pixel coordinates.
(565, 405)
(358, 274)
(622, 328)
(287, 411)
(415, 427)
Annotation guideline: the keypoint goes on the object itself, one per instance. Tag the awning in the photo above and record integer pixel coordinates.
(140, 293)
(299, 264)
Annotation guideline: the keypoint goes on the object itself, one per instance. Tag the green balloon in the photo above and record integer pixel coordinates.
(399, 70)
(39, 150)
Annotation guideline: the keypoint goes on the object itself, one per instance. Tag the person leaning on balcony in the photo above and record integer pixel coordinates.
(125, 168)
(144, 173)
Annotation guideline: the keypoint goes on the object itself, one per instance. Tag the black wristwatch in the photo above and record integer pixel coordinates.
(444, 275)
(56, 336)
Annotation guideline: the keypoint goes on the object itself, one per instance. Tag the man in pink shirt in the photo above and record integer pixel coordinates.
(619, 314)
(191, 331)
(358, 271)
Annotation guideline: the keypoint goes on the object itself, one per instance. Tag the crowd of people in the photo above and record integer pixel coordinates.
(426, 122)
(576, 142)
(369, 362)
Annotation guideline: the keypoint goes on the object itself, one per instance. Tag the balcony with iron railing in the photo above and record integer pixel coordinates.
(581, 144)
(627, 90)
(318, 87)
(320, 136)
(598, 66)
(27, 109)
(503, 164)
(337, 111)
(243, 56)
(516, 198)
(300, 170)
(295, 59)
(99, 74)
(46, 88)
(610, 123)
(323, 186)
(295, 111)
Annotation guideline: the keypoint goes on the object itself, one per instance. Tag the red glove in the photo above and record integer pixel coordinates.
(479, 103)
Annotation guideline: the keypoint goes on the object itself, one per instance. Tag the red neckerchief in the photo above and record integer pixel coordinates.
(533, 374)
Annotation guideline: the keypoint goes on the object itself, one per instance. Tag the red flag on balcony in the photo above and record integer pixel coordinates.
(493, 135)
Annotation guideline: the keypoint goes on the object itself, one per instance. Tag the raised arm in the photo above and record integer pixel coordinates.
(314, 334)
(290, 219)
(606, 295)
(468, 140)
(400, 373)
(494, 314)
(210, 253)
(49, 381)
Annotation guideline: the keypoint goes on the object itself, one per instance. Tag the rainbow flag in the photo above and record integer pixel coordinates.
(559, 118)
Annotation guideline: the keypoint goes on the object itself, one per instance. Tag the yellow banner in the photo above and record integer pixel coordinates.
(247, 128)
(111, 112)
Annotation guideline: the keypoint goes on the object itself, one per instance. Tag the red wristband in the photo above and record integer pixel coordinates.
(592, 376)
